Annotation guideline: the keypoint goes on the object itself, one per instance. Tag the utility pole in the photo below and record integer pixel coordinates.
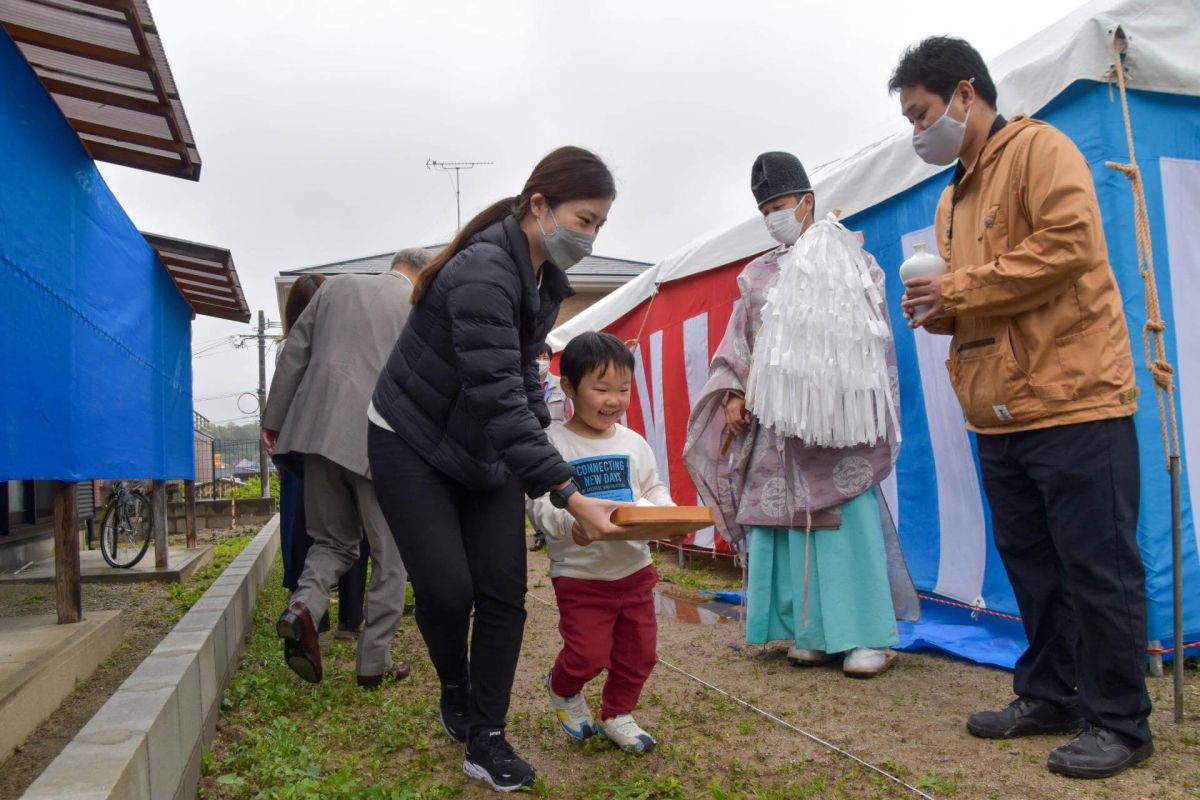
(264, 474)
(457, 167)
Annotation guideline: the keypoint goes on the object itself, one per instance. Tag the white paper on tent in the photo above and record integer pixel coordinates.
(819, 371)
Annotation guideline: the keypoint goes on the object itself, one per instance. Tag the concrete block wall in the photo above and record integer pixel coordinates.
(255, 510)
(146, 741)
(177, 518)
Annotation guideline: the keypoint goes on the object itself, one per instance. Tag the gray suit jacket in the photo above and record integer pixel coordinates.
(330, 362)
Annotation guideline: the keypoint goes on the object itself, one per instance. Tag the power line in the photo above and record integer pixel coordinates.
(216, 397)
(220, 352)
(202, 345)
(223, 341)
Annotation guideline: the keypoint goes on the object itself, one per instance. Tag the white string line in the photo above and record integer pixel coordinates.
(773, 718)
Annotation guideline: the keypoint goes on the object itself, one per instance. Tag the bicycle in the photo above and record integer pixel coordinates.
(126, 531)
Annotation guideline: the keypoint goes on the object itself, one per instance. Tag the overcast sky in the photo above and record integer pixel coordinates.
(314, 120)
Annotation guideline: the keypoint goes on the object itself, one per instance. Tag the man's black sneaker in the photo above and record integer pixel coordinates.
(1025, 716)
(1096, 753)
(453, 708)
(491, 758)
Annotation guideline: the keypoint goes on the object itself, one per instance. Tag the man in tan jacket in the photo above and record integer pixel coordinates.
(1040, 361)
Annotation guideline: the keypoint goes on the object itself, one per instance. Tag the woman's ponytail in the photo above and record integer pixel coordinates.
(485, 219)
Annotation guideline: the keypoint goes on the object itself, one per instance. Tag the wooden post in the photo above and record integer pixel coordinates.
(158, 522)
(189, 510)
(68, 595)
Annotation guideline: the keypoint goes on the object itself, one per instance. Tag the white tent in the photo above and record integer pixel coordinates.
(886, 193)
(1164, 38)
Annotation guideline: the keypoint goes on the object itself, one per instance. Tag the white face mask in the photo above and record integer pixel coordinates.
(942, 141)
(543, 368)
(784, 227)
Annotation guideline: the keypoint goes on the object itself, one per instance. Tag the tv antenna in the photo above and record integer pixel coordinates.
(457, 167)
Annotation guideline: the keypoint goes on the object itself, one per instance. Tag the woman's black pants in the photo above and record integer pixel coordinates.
(465, 552)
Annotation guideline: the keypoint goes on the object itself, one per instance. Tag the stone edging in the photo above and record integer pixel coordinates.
(145, 742)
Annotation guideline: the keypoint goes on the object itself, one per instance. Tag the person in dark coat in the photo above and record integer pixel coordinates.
(456, 440)
(294, 540)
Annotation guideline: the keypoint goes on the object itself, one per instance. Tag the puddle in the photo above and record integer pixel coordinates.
(711, 613)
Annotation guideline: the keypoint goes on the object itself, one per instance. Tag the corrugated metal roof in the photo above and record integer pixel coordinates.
(204, 275)
(103, 63)
(590, 267)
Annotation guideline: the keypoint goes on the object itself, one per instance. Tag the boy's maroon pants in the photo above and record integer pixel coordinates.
(606, 625)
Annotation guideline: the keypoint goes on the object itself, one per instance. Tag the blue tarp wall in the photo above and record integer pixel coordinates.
(95, 340)
(1165, 126)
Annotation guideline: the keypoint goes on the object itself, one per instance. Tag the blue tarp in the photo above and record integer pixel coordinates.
(95, 340)
(982, 638)
(1166, 126)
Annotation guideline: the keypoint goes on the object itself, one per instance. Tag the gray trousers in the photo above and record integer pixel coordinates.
(340, 505)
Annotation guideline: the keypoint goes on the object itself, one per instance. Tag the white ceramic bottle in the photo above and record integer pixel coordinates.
(921, 264)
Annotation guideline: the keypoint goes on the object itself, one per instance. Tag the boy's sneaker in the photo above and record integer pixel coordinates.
(627, 734)
(572, 712)
(491, 758)
(453, 711)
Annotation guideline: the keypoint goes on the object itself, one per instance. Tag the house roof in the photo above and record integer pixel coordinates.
(103, 63)
(204, 275)
(592, 268)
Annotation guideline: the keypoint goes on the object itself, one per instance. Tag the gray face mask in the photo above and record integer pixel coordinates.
(565, 247)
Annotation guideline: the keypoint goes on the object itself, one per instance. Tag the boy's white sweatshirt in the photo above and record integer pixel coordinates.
(620, 467)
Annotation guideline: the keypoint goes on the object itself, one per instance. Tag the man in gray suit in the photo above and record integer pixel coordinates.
(316, 417)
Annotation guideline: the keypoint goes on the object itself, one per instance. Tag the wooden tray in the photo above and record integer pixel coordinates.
(661, 522)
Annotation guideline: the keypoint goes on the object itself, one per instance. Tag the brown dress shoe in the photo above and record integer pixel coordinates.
(398, 672)
(301, 644)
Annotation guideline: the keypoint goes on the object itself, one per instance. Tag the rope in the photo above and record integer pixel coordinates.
(636, 342)
(688, 549)
(1162, 651)
(975, 610)
(751, 707)
(1152, 332)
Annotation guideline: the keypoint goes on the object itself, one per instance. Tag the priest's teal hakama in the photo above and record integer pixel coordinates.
(849, 599)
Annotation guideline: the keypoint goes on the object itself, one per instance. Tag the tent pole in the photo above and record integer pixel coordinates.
(1177, 570)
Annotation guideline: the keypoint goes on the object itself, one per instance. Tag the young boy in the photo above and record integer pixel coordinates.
(604, 589)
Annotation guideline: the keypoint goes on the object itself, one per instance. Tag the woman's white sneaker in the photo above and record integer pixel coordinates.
(572, 712)
(627, 734)
(867, 662)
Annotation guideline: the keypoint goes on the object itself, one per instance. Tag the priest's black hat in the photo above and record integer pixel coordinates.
(775, 174)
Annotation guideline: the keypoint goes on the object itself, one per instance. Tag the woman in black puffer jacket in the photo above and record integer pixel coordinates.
(456, 440)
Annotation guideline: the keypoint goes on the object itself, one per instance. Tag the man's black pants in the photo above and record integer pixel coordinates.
(465, 551)
(1064, 504)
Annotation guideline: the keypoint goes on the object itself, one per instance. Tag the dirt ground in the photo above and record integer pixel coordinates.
(282, 738)
(150, 610)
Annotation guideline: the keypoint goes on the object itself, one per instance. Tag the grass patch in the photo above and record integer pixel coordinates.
(697, 573)
(286, 739)
(941, 785)
(282, 738)
(642, 788)
(225, 551)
